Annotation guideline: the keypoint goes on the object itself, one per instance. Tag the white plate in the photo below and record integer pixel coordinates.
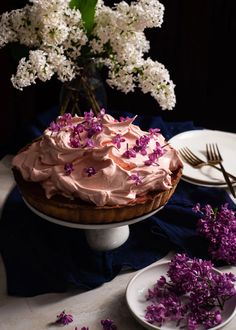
(196, 141)
(137, 290)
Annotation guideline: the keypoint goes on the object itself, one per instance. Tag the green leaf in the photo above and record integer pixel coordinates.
(87, 9)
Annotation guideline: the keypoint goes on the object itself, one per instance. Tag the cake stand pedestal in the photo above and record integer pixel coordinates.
(100, 237)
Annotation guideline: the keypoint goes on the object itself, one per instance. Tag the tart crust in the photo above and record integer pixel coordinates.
(78, 211)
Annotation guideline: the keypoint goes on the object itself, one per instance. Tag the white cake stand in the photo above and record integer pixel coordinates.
(100, 237)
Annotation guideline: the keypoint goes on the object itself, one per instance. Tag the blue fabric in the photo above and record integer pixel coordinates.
(41, 257)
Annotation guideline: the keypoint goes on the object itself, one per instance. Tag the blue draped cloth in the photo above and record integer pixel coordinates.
(42, 257)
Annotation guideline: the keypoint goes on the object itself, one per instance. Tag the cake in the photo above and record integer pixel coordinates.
(97, 169)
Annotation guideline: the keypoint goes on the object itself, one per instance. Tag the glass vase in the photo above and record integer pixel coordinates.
(84, 93)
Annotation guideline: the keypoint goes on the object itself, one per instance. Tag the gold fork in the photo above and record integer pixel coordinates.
(196, 162)
(214, 157)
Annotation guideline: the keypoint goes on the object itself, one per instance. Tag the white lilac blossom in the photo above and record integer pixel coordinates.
(59, 39)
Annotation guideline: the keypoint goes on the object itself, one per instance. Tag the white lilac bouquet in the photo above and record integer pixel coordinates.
(192, 294)
(62, 35)
(218, 226)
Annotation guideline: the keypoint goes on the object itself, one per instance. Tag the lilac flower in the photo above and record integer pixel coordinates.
(155, 313)
(68, 168)
(152, 157)
(204, 290)
(75, 141)
(79, 128)
(94, 128)
(64, 318)
(101, 114)
(54, 127)
(88, 116)
(141, 144)
(89, 143)
(117, 140)
(129, 153)
(90, 171)
(136, 178)
(219, 228)
(64, 120)
(154, 131)
(121, 119)
(108, 324)
(159, 150)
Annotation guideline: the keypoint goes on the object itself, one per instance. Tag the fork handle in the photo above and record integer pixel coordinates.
(229, 183)
(220, 169)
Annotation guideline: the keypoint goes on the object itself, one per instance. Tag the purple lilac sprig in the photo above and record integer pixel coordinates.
(68, 168)
(61, 121)
(191, 294)
(153, 157)
(89, 171)
(218, 226)
(118, 139)
(64, 318)
(141, 146)
(81, 134)
(137, 178)
(108, 325)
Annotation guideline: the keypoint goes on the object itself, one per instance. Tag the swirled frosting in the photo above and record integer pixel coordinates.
(98, 159)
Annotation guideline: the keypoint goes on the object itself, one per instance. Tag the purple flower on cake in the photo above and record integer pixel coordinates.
(64, 318)
(89, 143)
(94, 128)
(79, 128)
(90, 171)
(136, 178)
(68, 168)
(54, 127)
(101, 114)
(218, 226)
(152, 157)
(65, 119)
(88, 116)
(141, 144)
(117, 140)
(121, 119)
(61, 121)
(75, 141)
(129, 153)
(154, 131)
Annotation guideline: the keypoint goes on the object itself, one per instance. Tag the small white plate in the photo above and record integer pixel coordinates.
(196, 141)
(137, 290)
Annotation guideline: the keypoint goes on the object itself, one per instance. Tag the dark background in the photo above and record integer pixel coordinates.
(196, 44)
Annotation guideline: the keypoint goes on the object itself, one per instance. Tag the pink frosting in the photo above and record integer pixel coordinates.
(87, 157)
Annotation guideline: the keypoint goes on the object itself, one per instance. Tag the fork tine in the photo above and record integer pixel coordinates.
(214, 157)
(193, 161)
(210, 150)
(185, 154)
(218, 152)
(192, 155)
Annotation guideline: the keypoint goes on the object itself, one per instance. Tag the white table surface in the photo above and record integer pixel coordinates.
(87, 307)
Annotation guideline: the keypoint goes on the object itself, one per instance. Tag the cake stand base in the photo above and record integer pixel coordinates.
(107, 239)
(100, 237)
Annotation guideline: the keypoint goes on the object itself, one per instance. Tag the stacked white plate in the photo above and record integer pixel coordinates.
(196, 141)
